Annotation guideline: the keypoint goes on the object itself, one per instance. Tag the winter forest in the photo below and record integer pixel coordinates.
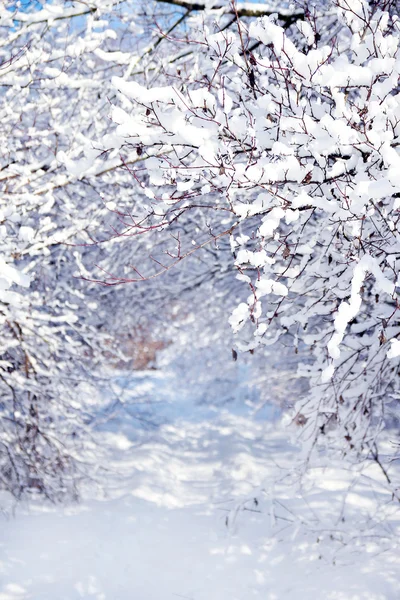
(199, 273)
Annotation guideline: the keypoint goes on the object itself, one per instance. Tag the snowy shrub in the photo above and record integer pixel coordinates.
(290, 142)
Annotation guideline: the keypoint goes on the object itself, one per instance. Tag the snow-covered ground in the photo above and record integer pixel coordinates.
(205, 502)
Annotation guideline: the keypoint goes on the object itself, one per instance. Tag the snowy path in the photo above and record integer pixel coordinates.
(205, 513)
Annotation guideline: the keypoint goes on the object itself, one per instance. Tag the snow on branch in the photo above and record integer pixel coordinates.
(298, 140)
(242, 9)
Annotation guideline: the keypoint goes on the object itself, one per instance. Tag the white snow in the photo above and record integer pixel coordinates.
(201, 514)
(394, 348)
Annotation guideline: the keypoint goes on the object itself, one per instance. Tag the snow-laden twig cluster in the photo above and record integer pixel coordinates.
(296, 139)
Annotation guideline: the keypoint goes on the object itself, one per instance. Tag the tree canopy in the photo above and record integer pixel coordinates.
(214, 162)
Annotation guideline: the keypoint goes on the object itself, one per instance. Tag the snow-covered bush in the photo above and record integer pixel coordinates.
(287, 138)
(50, 336)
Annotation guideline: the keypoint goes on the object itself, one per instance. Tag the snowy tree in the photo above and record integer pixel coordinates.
(286, 137)
(51, 341)
(233, 160)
